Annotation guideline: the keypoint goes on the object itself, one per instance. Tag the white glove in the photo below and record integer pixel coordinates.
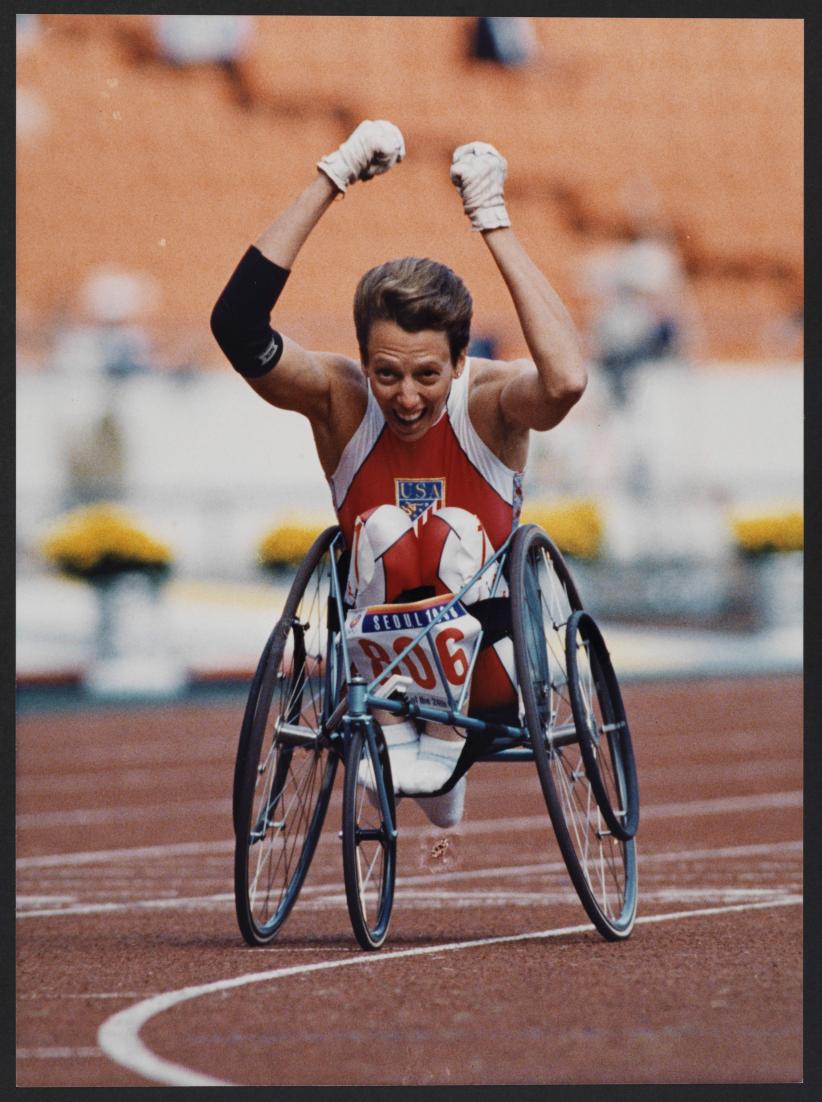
(372, 149)
(478, 172)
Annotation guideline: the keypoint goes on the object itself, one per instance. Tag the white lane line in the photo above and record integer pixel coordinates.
(721, 805)
(84, 816)
(101, 856)
(193, 849)
(724, 805)
(460, 900)
(38, 996)
(331, 891)
(42, 900)
(438, 898)
(58, 1053)
(118, 1037)
(133, 905)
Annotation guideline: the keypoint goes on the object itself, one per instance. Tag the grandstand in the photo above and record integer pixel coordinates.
(158, 170)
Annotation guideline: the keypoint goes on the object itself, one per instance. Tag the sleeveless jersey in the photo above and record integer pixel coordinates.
(450, 465)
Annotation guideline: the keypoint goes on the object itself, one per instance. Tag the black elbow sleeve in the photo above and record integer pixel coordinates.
(240, 318)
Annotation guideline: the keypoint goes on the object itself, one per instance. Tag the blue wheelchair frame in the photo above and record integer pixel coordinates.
(508, 743)
(345, 726)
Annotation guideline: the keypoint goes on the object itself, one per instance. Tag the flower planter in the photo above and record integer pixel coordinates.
(132, 651)
(775, 583)
(126, 567)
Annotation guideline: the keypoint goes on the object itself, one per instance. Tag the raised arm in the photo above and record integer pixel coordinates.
(277, 368)
(536, 395)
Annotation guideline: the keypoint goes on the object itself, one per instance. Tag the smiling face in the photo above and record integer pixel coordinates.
(410, 376)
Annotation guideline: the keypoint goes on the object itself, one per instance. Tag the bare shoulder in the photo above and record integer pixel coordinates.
(490, 374)
(348, 398)
(487, 381)
(342, 369)
(347, 385)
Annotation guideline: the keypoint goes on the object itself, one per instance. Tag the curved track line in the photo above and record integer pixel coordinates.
(118, 1037)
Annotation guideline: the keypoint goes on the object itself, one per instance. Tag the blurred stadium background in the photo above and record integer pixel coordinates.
(655, 172)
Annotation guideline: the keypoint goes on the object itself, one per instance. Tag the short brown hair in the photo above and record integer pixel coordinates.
(415, 294)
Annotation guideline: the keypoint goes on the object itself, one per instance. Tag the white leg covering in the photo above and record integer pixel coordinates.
(465, 550)
(435, 762)
(372, 538)
(402, 740)
(445, 810)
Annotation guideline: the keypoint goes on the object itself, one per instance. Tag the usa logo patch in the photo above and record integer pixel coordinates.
(415, 495)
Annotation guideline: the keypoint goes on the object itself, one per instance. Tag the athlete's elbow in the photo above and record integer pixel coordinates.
(229, 331)
(574, 384)
(566, 389)
(558, 400)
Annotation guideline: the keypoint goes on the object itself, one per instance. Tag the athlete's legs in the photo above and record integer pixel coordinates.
(384, 557)
(384, 562)
(453, 545)
(390, 555)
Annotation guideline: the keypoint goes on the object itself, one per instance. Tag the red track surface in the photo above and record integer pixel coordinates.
(124, 881)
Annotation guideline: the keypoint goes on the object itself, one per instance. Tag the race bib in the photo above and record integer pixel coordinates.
(377, 635)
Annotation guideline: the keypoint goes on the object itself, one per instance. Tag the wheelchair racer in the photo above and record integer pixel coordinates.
(423, 446)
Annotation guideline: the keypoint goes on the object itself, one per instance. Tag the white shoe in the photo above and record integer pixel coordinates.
(402, 740)
(445, 810)
(435, 763)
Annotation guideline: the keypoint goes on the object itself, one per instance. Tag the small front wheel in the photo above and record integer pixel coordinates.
(369, 840)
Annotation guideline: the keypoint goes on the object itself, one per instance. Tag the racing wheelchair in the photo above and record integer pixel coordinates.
(307, 712)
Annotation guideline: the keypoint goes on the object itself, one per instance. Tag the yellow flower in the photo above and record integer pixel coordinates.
(288, 543)
(574, 524)
(99, 540)
(757, 533)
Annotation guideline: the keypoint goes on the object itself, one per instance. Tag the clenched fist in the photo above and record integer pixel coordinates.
(372, 149)
(478, 172)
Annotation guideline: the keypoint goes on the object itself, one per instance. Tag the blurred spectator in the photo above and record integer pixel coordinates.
(642, 311)
(784, 335)
(506, 40)
(27, 32)
(99, 355)
(632, 324)
(484, 346)
(96, 462)
(188, 42)
(114, 342)
(32, 116)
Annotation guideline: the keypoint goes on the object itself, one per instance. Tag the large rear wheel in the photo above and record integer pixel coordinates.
(286, 763)
(602, 726)
(602, 867)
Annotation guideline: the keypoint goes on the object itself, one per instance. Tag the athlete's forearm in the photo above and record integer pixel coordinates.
(283, 239)
(547, 326)
(240, 320)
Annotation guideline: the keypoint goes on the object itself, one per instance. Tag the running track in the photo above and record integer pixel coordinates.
(131, 971)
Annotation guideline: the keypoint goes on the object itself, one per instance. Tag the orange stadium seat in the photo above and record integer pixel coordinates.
(159, 171)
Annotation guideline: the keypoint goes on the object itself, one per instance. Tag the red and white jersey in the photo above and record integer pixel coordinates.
(449, 466)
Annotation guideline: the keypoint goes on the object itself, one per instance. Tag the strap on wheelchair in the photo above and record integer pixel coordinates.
(479, 743)
(342, 567)
(494, 615)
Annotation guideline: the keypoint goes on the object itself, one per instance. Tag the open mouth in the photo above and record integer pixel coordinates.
(409, 421)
